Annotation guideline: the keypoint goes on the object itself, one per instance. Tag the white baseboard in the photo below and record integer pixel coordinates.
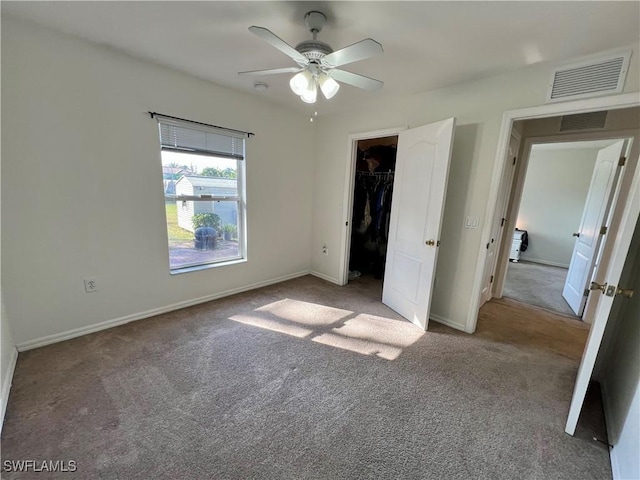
(6, 385)
(325, 277)
(78, 332)
(544, 262)
(447, 322)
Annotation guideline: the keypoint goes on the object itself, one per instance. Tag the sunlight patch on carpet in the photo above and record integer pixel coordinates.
(305, 313)
(273, 325)
(365, 334)
(371, 335)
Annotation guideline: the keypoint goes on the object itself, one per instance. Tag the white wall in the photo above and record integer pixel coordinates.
(553, 197)
(619, 371)
(8, 352)
(479, 107)
(8, 357)
(82, 176)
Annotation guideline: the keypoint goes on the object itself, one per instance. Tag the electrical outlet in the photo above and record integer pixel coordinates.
(325, 250)
(91, 285)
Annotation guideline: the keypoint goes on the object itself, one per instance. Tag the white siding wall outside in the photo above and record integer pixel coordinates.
(186, 210)
(185, 214)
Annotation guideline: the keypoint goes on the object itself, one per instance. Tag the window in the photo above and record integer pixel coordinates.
(203, 182)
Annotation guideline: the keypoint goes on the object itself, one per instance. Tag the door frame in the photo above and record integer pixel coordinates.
(515, 196)
(616, 102)
(350, 176)
(507, 180)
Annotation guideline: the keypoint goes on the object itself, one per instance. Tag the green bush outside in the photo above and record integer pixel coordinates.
(231, 229)
(206, 220)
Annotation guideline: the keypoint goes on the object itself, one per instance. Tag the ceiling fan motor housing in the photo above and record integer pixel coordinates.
(314, 49)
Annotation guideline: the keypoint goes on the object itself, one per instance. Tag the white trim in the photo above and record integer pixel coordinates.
(606, 407)
(345, 240)
(543, 262)
(78, 332)
(447, 322)
(326, 277)
(6, 385)
(509, 116)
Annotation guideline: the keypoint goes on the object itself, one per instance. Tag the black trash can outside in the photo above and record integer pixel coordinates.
(205, 238)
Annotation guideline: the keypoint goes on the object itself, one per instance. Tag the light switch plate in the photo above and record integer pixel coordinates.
(471, 222)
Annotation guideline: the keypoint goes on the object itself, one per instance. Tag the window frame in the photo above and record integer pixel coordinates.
(239, 199)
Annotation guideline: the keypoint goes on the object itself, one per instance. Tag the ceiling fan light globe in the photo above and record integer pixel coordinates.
(328, 86)
(310, 95)
(299, 83)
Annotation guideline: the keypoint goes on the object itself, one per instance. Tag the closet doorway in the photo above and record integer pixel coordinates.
(355, 142)
(375, 164)
(407, 237)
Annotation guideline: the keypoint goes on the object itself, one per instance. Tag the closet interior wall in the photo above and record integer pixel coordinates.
(373, 189)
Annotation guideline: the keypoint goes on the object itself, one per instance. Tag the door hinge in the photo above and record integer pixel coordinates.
(622, 161)
(491, 281)
(586, 292)
(514, 160)
(603, 230)
(502, 221)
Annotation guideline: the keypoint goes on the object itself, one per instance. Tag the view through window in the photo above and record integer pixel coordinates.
(203, 200)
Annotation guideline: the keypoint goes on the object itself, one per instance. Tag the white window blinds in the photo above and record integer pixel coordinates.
(188, 137)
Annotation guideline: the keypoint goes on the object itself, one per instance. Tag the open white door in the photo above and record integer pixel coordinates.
(603, 308)
(499, 220)
(596, 208)
(419, 188)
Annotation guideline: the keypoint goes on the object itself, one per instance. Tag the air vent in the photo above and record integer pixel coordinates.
(583, 121)
(589, 79)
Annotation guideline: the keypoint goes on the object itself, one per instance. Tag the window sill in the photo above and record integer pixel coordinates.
(196, 268)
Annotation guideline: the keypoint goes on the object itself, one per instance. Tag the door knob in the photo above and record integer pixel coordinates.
(597, 286)
(431, 243)
(577, 234)
(625, 292)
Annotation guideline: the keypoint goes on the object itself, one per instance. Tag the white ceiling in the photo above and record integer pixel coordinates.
(427, 44)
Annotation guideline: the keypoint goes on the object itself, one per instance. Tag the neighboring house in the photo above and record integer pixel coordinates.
(169, 177)
(194, 185)
(172, 173)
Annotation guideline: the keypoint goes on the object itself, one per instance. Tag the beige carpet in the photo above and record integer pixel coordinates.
(537, 284)
(306, 380)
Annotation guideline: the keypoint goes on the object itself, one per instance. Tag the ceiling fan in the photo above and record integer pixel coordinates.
(317, 62)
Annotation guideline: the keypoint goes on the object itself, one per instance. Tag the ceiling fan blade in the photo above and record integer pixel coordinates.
(356, 80)
(358, 51)
(273, 71)
(284, 47)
